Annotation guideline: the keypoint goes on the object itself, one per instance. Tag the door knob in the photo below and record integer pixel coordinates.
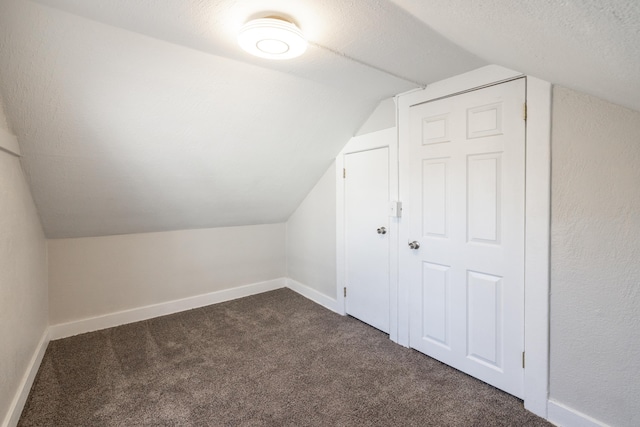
(414, 245)
(382, 230)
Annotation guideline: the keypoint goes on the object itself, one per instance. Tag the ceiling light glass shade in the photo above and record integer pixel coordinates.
(272, 38)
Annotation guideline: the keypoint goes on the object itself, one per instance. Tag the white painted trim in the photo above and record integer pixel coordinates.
(341, 267)
(537, 244)
(313, 295)
(370, 141)
(9, 143)
(148, 312)
(565, 416)
(538, 187)
(17, 405)
(394, 235)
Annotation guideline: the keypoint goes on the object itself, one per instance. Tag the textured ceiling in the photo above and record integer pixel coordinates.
(589, 45)
(135, 117)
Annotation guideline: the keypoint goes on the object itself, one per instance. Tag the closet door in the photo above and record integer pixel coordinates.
(466, 220)
(367, 236)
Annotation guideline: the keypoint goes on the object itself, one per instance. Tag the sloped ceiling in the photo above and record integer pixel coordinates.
(138, 115)
(589, 45)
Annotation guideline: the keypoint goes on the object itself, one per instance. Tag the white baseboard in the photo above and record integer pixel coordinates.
(17, 405)
(110, 320)
(564, 416)
(313, 295)
(148, 312)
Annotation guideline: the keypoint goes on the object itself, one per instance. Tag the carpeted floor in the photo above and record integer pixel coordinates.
(272, 359)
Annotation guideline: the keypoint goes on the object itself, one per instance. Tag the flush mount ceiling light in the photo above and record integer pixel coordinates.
(272, 38)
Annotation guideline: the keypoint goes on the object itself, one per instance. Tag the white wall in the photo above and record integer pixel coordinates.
(311, 229)
(311, 238)
(595, 258)
(94, 276)
(23, 279)
(383, 117)
(4, 124)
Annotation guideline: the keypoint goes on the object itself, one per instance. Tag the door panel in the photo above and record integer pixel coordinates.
(367, 251)
(435, 301)
(466, 209)
(483, 204)
(484, 296)
(434, 197)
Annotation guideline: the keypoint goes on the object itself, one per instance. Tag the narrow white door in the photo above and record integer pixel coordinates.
(367, 231)
(466, 213)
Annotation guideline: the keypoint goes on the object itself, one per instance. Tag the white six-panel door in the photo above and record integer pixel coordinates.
(367, 244)
(466, 211)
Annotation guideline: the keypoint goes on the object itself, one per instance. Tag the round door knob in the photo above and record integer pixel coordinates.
(414, 245)
(382, 230)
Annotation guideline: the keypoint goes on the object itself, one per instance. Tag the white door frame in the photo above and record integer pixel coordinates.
(537, 214)
(383, 138)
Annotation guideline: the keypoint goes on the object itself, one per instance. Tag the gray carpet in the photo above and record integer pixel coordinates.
(272, 359)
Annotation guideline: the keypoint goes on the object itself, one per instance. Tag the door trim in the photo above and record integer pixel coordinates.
(537, 218)
(537, 246)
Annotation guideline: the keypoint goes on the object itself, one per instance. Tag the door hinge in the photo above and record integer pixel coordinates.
(523, 360)
(524, 112)
(345, 291)
(344, 173)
